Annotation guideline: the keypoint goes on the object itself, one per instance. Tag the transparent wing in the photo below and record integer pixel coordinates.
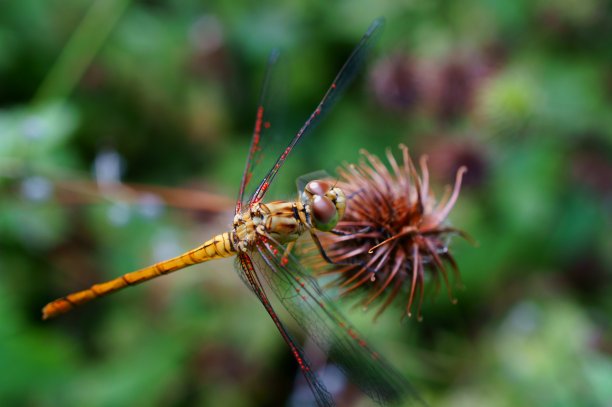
(263, 131)
(343, 79)
(316, 314)
(246, 270)
(311, 176)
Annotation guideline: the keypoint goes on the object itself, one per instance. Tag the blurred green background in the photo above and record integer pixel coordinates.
(117, 118)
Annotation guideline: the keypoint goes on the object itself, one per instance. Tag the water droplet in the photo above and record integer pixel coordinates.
(373, 278)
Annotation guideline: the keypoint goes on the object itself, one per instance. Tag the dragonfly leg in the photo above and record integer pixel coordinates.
(343, 233)
(317, 242)
(287, 252)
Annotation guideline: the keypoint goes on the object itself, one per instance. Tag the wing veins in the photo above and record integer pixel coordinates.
(322, 321)
(340, 82)
(249, 276)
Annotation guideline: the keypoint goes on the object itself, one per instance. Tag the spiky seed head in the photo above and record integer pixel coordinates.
(393, 233)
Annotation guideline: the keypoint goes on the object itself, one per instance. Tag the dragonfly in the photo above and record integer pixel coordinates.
(262, 238)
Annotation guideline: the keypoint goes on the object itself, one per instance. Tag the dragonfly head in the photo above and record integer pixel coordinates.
(327, 203)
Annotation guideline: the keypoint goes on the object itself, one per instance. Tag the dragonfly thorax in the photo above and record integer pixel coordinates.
(320, 207)
(283, 221)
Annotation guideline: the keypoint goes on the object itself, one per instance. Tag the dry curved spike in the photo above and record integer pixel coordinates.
(398, 263)
(453, 199)
(415, 176)
(440, 265)
(402, 173)
(444, 199)
(466, 236)
(399, 174)
(455, 267)
(424, 175)
(375, 170)
(392, 161)
(362, 224)
(349, 237)
(415, 267)
(407, 231)
(380, 196)
(359, 172)
(364, 279)
(365, 267)
(352, 253)
(379, 169)
(390, 298)
(406, 158)
(338, 271)
(384, 257)
(350, 280)
(422, 292)
(377, 195)
(336, 249)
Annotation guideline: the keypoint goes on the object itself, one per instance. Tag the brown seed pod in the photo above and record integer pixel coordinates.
(392, 234)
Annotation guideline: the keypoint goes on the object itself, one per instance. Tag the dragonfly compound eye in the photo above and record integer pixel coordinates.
(324, 213)
(318, 187)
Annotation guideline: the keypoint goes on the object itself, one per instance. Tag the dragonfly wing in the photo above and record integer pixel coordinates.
(347, 73)
(249, 276)
(315, 313)
(303, 180)
(263, 131)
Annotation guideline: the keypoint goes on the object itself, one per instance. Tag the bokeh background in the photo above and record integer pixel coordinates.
(123, 131)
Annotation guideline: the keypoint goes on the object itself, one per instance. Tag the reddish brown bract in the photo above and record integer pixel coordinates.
(392, 233)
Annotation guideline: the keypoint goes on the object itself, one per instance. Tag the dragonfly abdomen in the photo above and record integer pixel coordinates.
(218, 247)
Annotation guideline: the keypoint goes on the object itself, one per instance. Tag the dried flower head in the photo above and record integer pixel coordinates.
(393, 232)
(396, 84)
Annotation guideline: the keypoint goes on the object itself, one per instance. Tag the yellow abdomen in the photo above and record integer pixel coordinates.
(218, 247)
